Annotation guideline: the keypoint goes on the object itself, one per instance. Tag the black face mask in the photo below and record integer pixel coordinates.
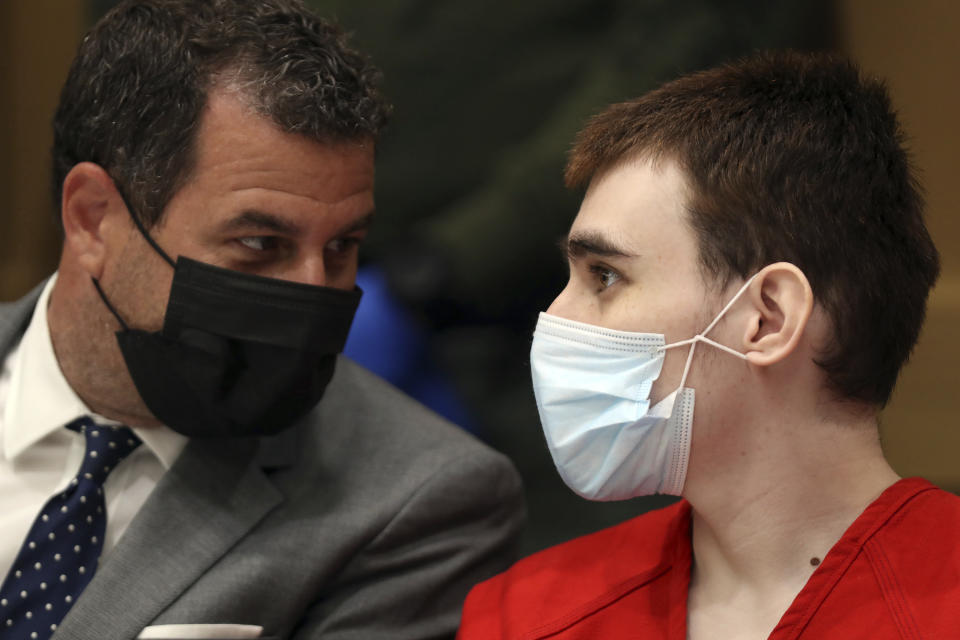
(239, 354)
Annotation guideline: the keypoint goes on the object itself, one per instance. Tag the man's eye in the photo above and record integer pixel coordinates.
(342, 245)
(259, 243)
(605, 277)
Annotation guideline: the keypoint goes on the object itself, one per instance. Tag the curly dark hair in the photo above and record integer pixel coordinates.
(138, 85)
(800, 158)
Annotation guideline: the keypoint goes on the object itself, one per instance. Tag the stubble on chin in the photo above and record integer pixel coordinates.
(83, 333)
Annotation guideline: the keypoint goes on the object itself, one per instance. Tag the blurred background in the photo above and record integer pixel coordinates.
(470, 198)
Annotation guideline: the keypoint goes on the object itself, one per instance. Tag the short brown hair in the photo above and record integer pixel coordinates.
(798, 158)
(134, 94)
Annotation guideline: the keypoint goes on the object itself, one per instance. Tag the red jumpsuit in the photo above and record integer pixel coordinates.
(895, 573)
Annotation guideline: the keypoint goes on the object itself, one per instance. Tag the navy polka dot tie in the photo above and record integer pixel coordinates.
(61, 551)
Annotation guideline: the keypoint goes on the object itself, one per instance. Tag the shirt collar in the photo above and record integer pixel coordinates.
(40, 400)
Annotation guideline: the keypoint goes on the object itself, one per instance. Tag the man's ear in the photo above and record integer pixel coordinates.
(782, 301)
(88, 210)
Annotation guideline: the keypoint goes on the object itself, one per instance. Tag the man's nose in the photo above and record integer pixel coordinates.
(563, 305)
(310, 270)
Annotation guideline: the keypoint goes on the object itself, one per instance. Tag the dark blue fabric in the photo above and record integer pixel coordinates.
(61, 551)
(386, 339)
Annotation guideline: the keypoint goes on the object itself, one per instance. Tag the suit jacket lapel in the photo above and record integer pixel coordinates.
(211, 497)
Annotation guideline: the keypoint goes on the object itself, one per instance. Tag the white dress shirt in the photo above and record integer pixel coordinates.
(38, 456)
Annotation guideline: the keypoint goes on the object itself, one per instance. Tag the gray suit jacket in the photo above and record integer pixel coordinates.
(371, 518)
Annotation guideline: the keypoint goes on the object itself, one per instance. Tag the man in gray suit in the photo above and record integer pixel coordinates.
(213, 161)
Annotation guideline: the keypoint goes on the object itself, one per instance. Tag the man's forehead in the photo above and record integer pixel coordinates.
(238, 146)
(637, 209)
(642, 175)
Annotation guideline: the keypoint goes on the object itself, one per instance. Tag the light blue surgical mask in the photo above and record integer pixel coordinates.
(592, 387)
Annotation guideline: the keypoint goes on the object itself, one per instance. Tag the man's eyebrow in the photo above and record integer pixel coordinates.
(260, 220)
(362, 224)
(578, 245)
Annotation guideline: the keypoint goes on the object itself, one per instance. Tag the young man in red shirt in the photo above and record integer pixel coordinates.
(748, 272)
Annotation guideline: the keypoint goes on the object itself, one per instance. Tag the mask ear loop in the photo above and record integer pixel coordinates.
(702, 336)
(103, 296)
(142, 229)
(150, 241)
